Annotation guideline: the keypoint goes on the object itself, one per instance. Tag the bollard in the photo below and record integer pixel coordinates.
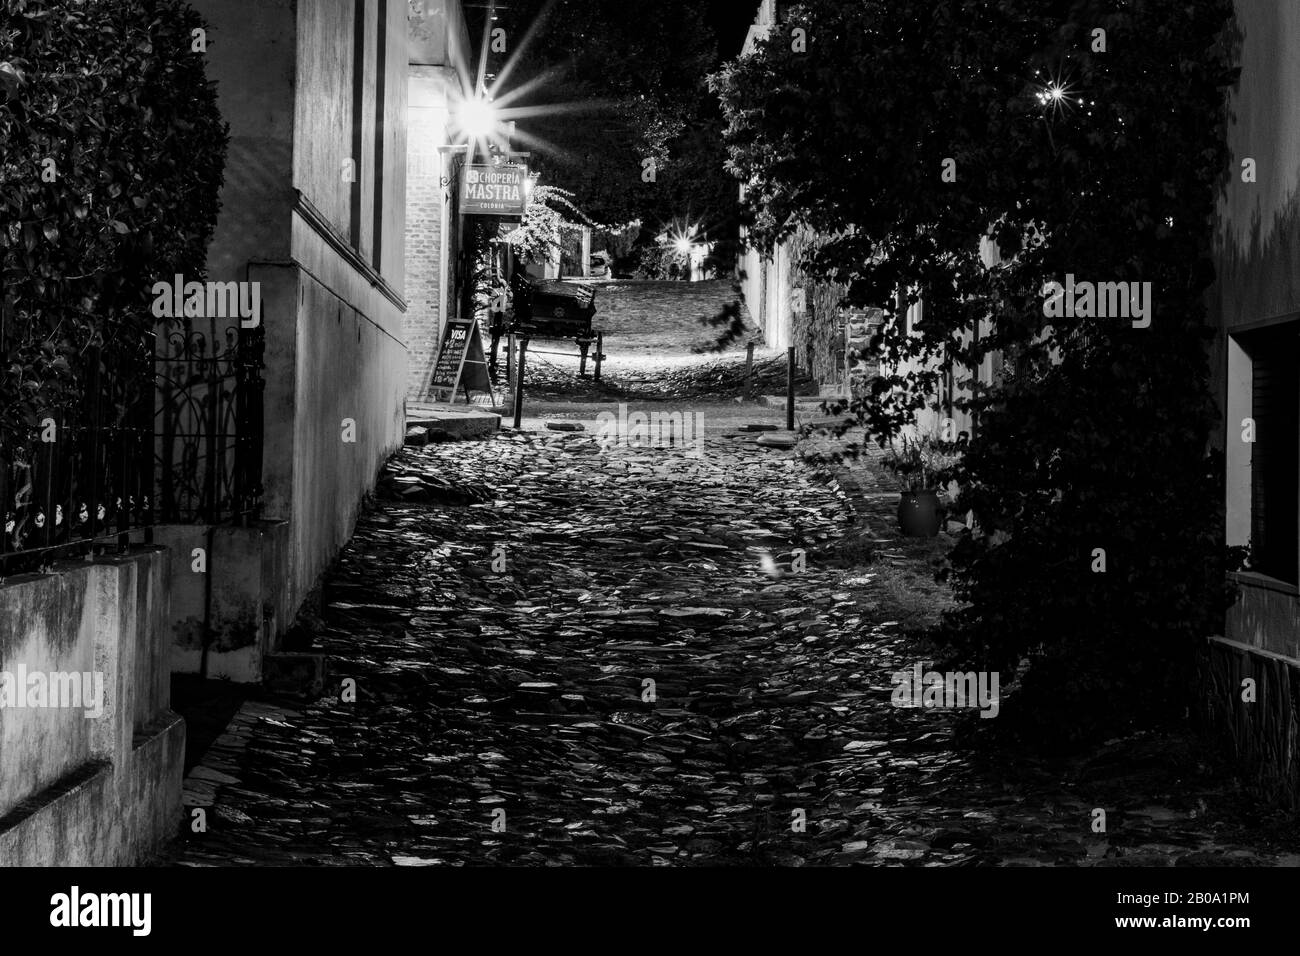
(519, 381)
(789, 390)
(749, 371)
(510, 361)
(600, 354)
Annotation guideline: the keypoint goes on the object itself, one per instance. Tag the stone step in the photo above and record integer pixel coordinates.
(801, 402)
(447, 422)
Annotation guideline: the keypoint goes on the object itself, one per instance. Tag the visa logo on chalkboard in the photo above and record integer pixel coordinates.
(460, 363)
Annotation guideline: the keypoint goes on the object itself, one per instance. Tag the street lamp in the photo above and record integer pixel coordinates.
(477, 118)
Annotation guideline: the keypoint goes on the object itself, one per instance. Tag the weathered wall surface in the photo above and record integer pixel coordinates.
(227, 617)
(323, 113)
(350, 361)
(90, 790)
(765, 289)
(251, 57)
(351, 369)
(1258, 229)
(1263, 736)
(314, 209)
(1257, 240)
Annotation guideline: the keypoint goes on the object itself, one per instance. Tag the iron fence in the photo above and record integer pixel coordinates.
(79, 475)
(208, 430)
(169, 431)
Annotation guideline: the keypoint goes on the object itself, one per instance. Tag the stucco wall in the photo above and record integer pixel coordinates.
(1257, 239)
(1258, 230)
(349, 367)
(251, 57)
(349, 358)
(765, 289)
(323, 111)
(349, 160)
(90, 790)
(314, 210)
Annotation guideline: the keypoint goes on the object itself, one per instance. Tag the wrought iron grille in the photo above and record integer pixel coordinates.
(208, 428)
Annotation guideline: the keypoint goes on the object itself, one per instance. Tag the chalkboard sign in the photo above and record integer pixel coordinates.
(461, 362)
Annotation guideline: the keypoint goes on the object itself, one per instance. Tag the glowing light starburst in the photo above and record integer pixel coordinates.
(1057, 96)
(485, 113)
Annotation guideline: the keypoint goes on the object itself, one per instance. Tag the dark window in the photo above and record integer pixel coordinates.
(1275, 454)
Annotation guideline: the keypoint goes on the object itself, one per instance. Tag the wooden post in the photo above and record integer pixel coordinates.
(468, 257)
(749, 371)
(510, 360)
(600, 353)
(519, 382)
(789, 389)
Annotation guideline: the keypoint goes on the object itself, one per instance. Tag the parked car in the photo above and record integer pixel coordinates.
(600, 265)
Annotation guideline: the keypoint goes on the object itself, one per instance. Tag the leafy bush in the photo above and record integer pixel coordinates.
(911, 129)
(112, 163)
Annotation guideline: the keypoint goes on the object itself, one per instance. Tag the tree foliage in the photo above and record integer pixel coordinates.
(112, 162)
(1072, 159)
(606, 92)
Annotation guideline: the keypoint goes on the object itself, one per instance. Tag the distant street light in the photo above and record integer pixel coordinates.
(684, 245)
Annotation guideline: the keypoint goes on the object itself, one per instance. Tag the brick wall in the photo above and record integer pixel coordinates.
(426, 202)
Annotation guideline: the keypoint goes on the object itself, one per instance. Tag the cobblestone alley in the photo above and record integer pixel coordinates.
(573, 651)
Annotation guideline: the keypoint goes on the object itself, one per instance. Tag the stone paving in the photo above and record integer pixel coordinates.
(547, 650)
(566, 653)
(658, 318)
(660, 345)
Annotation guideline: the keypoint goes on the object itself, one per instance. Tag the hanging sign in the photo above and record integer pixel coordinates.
(493, 190)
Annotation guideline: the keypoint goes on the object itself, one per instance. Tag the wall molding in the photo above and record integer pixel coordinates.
(1251, 649)
(340, 244)
(1262, 582)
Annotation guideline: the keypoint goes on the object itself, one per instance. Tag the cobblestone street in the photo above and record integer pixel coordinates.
(644, 680)
(449, 443)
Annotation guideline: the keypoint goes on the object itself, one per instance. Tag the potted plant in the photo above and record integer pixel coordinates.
(919, 465)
